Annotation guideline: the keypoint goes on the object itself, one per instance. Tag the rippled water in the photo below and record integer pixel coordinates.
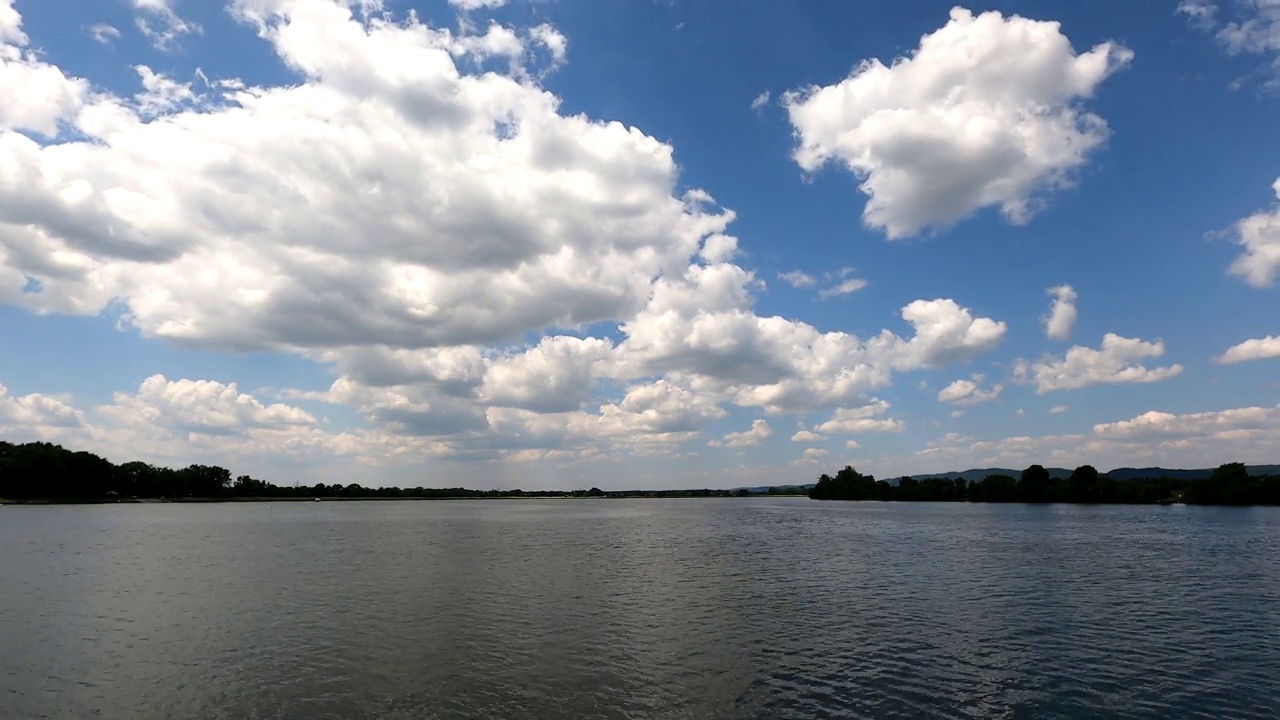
(638, 609)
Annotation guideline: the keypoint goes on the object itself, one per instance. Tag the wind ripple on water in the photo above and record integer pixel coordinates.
(612, 609)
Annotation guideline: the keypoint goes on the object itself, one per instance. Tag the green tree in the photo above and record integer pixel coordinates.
(1033, 484)
(1082, 486)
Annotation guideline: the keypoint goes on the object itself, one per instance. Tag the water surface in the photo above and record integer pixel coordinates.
(724, 608)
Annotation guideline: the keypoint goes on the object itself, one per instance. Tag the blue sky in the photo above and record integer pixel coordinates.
(562, 244)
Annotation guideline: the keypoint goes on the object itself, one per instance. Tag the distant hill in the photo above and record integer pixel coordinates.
(1139, 473)
(980, 473)
(759, 490)
(1117, 474)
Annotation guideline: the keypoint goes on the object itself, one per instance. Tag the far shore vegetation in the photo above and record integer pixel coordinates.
(1230, 484)
(44, 472)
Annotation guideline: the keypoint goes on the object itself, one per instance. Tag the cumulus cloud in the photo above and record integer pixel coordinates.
(812, 456)
(468, 5)
(1155, 424)
(11, 24)
(759, 431)
(862, 419)
(38, 96)
(798, 279)
(986, 112)
(807, 436)
(760, 101)
(1058, 409)
(651, 416)
(946, 333)
(550, 38)
(556, 375)
(851, 445)
(1259, 234)
(1255, 349)
(411, 224)
(844, 287)
(1201, 12)
(104, 34)
(1251, 27)
(700, 327)
(969, 392)
(161, 93)
(36, 416)
(178, 421)
(1256, 31)
(442, 208)
(1062, 316)
(160, 24)
(200, 406)
(1117, 361)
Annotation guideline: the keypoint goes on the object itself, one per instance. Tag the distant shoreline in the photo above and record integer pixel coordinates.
(654, 495)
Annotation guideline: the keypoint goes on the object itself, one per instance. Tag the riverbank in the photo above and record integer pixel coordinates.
(655, 495)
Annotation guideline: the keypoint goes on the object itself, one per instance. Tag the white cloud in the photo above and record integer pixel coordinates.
(548, 37)
(760, 101)
(11, 24)
(556, 375)
(699, 327)
(1156, 425)
(1117, 361)
(985, 112)
(862, 419)
(1252, 27)
(946, 333)
(957, 414)
(1255, 349)
(185, 420)
(409, 223)
(38, 97)
(812, 456)
(719, 248)
(160, 24)
(759, 431)
(797, 279)
(104, 34)
(424, 207)
(845, 287)
(200, 406)
(807, 436)
(1062, 316)
(1201, 12)
(851, 445)
(1257, 31)
(35, 416)
(969, 392)
(468, 5)
(655, 416)
(1259, 233)
(160, 93)
(1058, 409)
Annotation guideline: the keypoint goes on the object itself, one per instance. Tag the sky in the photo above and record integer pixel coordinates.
(563, 244)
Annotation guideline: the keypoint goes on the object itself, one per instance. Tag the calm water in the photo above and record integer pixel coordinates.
(638, 609)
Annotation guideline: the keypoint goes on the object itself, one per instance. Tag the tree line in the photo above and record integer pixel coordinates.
(1230, 484)
(50, 472)
(44, 471)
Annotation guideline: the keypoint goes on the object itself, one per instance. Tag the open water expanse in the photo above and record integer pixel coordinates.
(728, 608)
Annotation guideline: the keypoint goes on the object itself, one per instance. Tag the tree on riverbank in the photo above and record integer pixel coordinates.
(43, 471)
(1230, 484)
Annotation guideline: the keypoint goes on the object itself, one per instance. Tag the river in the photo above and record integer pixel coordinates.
(723, 608)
